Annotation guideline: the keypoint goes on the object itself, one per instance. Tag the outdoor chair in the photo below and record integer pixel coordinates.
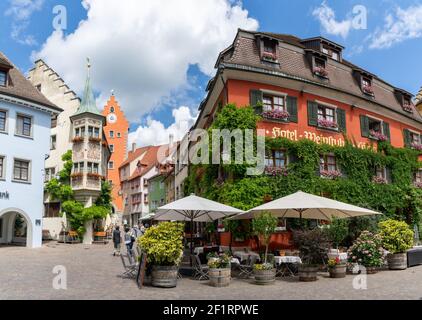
(129, 265)
(246, 268)
(200, 271)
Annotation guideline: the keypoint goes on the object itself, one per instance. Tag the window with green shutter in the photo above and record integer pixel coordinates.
(341, 120)
(292, 108)
(407, 138)
(386, 130)
(364, 126)
(312, 113)
(256, 98)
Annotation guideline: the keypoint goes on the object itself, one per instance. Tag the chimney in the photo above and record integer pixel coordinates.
(133, 147)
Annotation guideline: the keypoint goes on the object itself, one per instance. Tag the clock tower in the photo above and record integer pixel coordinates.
(116, 132)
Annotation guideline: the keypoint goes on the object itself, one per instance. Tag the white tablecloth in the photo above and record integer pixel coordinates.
(244, 255)
(342, 256)
(287, 259)
(198, 250)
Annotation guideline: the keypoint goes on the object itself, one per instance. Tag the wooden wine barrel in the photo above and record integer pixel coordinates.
(264, 277)
(308, 273)
(220, 277)
(397, 261)
(164, 276)
(338, 271)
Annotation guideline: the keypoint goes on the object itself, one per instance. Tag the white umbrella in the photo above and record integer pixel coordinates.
(307, 206)
(194, 209)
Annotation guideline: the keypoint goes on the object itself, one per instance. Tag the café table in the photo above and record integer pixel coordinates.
(286, 265)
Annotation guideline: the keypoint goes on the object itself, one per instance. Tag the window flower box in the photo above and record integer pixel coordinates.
(77, 139)
(330, 174)
(327, 124)
(94, 139)
(276, 171)
(408, 108)
(379, 180)
(320, 71)
(418, 185)
(368, 89)
(77, 175)
(416, 146)
(269, 56)
(94, 175)
(375, 135)
(276, 115)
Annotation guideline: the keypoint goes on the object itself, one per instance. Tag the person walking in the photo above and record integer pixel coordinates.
(128, 241)
(117, 238)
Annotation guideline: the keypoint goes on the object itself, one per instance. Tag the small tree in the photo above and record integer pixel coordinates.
(264, 226)
(338, 231)
(397, 237)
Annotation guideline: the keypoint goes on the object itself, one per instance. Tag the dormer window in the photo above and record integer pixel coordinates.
(367, 86)
(269, 50)
(334, 54)
(407, 105)
(319, 67)
(3, 78)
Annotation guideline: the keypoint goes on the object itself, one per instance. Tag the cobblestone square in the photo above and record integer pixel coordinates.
(93, 273)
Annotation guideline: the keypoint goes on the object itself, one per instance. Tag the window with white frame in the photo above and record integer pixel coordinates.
(53, 142)
(92, 167)
(3, 78)
(111, 165)
(2, 167)
(80, 132)
(78, 167)
(3, 120)
(276, 158)
(21, 170)
(111, 133)
(49, 174)
(328, 163)
(273, 103)
(24, 125)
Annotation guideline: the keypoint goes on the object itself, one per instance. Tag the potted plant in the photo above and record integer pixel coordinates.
(397, 238)
(367, 251)
(163, 244)
(264, 226)
(313, 246)
(219, 270)
(337, 268)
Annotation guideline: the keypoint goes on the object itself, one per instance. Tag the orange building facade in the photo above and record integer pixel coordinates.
(116, 132)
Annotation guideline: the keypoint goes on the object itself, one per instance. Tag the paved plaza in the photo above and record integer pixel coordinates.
(93, 273)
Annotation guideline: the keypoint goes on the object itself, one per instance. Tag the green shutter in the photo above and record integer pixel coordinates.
(292, 108)
(364, 126)
(341, 120)
(407, 138)
(256, 98)
(312, 113)
(386, 128)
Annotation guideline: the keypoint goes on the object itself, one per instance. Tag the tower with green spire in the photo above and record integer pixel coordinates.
(90, 152)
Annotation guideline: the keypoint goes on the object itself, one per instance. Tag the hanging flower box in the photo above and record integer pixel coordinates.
(276, 171)
(416, 146)
(269, 56)
(94, 175)
(321, 71)
(77, 139)
(94, 139)
(327, 124)
(408, 108)
(276, 115)
(368, 89)
(379, 180)
(377, 136)
(77, 175)
(330, 174)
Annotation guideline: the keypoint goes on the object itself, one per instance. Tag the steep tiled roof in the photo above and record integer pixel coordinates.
(148, 161)
(295, 63)
(20, 87)
(132, 155)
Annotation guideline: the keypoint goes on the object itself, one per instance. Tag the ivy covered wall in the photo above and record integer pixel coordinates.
(228, 184)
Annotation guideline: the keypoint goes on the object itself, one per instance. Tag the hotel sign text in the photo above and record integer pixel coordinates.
(294, 135)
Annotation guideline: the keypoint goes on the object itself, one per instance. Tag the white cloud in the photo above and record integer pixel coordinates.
(21, 12)
(327, 19)
(143, 49)
(155, 133)
(405, 24)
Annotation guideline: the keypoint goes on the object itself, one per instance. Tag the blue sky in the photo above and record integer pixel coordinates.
(157, 94)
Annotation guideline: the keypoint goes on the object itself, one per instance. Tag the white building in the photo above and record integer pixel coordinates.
(25, 122)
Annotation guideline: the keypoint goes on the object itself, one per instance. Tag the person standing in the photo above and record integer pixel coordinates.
(117, 240)
(128, 240)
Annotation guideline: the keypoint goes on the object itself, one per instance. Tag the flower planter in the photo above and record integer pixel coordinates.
(338, 271)
(264, 277)
(397, 261)
(308, 273)
(220, 277)
(164, 276)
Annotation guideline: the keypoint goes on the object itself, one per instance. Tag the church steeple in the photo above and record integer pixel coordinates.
(88, 104)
